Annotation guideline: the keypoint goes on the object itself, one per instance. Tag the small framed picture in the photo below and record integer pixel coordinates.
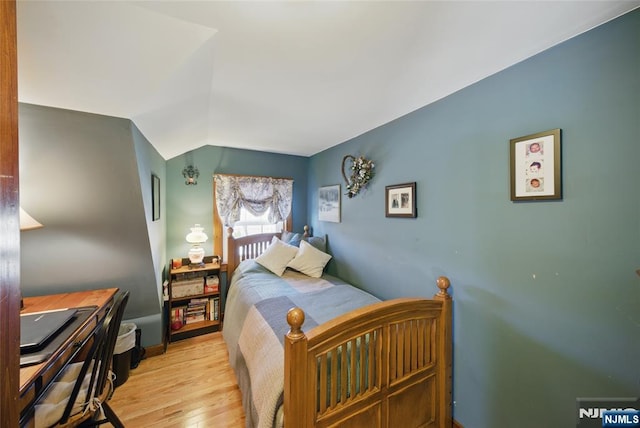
(329, 203)
(400, 200)
(155, 197)
(535, 167)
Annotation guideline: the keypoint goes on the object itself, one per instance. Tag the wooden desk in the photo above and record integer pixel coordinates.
(34, 379)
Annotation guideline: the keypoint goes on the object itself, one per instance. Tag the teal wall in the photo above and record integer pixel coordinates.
(188, 205)
(546, 294)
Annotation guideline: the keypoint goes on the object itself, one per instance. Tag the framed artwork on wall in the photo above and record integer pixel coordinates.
(329, 203)
(400, 200)
(535, 166)
(155, 197)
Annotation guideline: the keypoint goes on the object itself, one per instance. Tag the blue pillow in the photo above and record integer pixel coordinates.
(286, 236)
(295, 241)
(318, 242)
(291, 238)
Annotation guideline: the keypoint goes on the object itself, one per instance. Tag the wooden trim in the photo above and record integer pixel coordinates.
(457, 424)
(9, 218)
(154, 351)
(217, 226)
(249, 175)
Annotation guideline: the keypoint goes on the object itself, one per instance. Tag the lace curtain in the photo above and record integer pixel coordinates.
(255, 194)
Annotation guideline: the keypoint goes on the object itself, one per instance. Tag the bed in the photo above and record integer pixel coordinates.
(358, 362)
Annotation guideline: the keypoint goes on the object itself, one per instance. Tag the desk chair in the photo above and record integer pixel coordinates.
(79, 396)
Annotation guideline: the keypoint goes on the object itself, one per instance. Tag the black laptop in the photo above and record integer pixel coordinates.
(36, 329)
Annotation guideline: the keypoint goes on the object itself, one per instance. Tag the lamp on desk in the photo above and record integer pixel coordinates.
(195, 238)
(27, 223)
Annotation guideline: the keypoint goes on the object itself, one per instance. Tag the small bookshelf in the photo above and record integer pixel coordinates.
(195, 304)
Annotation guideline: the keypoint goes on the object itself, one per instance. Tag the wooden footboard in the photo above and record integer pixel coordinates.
(384, 365)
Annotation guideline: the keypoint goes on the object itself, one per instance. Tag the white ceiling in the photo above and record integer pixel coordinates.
(291, 77)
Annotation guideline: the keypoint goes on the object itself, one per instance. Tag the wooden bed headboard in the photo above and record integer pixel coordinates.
(248, 247)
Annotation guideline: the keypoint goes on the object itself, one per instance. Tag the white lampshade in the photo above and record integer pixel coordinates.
(28, 223)
(196, 237)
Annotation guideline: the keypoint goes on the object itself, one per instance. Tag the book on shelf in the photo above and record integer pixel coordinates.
(190, 319)
(215, 315)
(195, 314)
(197, 304)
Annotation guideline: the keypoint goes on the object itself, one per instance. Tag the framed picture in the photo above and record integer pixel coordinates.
(155, 197)
(535, 167)
(400, 200)
(329, 203)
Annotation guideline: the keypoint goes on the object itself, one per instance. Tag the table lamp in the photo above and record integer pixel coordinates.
(195, 238)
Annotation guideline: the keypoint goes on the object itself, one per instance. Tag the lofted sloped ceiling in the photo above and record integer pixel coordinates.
(292, 77)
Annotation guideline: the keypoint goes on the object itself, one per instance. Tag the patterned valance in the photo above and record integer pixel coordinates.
(255, 194)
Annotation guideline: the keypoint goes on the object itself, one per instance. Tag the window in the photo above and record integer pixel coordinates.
(250, 224)
(251, 205)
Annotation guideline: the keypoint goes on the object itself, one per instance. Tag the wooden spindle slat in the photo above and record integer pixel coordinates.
(393, 353)
(400, 351)
(344, 373)
(433, 327)
(422, 343)
(323, 383)
(334, 378)
(353, 355)
(363, 367)
(374, 342)
(410, 346)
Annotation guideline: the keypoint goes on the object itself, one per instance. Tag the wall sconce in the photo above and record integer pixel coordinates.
(191, 175)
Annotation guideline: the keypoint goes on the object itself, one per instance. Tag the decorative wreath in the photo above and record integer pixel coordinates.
(361, 173)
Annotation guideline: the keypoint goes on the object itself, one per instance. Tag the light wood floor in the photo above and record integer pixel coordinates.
(192, 385)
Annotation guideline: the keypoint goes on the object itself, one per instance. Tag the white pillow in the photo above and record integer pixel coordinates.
(309, 260)
(276, 256)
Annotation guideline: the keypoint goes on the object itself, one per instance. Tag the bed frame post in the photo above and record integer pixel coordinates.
(231, 252)
(295, 373)
(445, 348)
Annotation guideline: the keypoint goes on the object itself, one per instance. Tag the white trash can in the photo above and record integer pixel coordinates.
(122, 352)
